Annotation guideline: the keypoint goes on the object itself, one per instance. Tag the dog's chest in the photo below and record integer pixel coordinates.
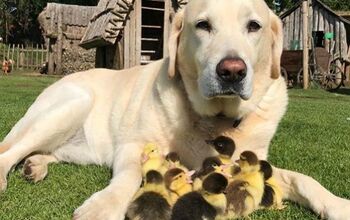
(190, 143)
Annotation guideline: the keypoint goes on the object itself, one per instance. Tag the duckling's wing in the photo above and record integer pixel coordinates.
(236, 195)
(268, 196)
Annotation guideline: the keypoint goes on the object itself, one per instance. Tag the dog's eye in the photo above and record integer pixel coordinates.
(253, 26)
(204, 25)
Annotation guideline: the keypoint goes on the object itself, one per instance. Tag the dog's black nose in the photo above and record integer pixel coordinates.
(231, 69)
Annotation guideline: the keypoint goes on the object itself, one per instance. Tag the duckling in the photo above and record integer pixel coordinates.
(225, 147)
(245, 192)
(152, 159)
(151, 201)
(239, 201)
(208, 166)
(178, 182)
(172, 160)
(192, 206)
(214, 186)
(205, 204)
(273, 195)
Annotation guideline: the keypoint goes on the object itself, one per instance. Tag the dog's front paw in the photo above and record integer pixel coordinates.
(3, 180)
(35, 168)
(102, 205)
(339, 211)
(3, 183)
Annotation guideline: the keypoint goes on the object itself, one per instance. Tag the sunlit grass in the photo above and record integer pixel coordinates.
(313, 138)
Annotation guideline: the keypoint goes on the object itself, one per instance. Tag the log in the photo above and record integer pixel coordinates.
(138, 21)
(59, 42)
(305, 45)
(166, 30)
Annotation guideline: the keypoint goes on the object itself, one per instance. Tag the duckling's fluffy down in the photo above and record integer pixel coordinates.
(149, 206)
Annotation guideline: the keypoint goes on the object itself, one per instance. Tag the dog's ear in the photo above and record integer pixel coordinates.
(277, 45)
(176, 29)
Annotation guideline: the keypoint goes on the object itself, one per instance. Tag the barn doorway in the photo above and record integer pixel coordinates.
(152, 30)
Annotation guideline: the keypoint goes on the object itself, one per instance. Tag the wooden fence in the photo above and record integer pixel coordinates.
(24, 57)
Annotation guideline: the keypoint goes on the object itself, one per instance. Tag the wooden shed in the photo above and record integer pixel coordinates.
(322, 19)
(63, 27)
(130, 32)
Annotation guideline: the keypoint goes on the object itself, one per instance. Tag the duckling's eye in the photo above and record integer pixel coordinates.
(204, 25)
(253, 26)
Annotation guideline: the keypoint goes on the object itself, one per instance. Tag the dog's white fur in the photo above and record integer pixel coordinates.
(106, 117)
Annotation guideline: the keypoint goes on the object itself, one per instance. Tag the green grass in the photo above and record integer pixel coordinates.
(313, 138)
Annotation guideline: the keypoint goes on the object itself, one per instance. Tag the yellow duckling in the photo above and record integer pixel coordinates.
(225, 147)
(152, 201)
(272, 197)
(213, 189)
(178, 182)
(208, 166)
(172, 160)
(152, 159)
(244, 194)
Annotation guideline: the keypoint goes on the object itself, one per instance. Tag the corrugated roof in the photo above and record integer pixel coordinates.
(298, 4)
(75, 15)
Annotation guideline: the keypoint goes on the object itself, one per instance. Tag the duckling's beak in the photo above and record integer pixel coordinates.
(237, 161)
(144, 157)
(189, 175)
(211, 142)
(172, 165)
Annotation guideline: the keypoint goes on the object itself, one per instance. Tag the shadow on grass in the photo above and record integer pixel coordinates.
(342, 91)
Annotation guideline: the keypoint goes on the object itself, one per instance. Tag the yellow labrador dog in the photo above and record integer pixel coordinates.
(223, 65)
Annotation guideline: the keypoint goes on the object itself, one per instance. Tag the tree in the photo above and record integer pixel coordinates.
(333, 4)
(337, 4)
(18, 18)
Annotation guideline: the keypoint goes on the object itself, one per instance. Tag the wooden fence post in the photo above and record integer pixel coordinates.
(8, 51)
(305, 45)
(17, 57)
(21, 54)
(12, 56)
(37, 57)
(4, 51)
(32, 58)
(42, 55)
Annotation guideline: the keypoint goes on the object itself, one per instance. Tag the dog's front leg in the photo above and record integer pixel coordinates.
(112, 202)
(308, 192)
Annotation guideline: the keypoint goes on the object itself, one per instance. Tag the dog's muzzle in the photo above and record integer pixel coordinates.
(231, 70)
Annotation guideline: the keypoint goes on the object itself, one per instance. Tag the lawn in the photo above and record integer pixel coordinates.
(313, 138)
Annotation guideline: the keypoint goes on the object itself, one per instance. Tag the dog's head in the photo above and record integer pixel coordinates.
(222, 48)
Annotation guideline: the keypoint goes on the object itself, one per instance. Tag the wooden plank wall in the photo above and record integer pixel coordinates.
(320, 20)
(132, 37)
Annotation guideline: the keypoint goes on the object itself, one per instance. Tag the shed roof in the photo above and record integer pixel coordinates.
(111, 17)
(105, 25)
(298, 4)
(72, 15)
